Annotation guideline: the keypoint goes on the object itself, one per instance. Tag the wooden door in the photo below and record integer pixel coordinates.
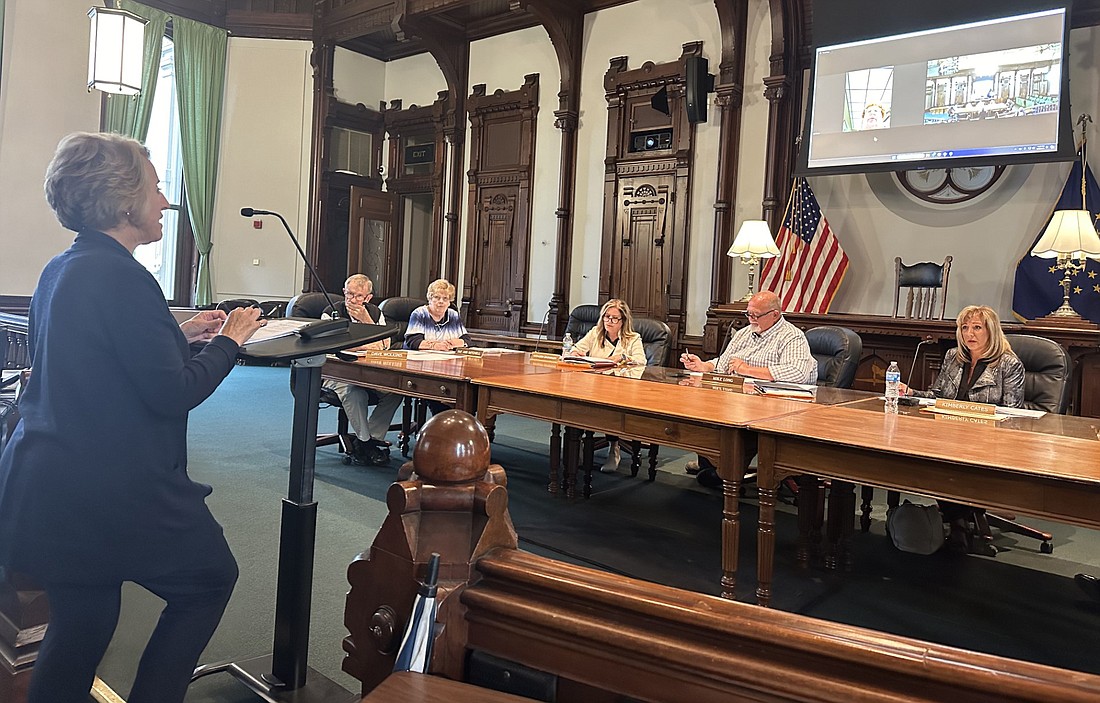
(640, 252)
(498, 260)
(372, 249)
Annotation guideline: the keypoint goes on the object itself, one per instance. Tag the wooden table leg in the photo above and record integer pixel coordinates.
(588, 458)
(555, 459)
(572, 450)
(868, 495)
(653, 462)
(842, 502)
(810, 517)
(765, 532)
(731, 469)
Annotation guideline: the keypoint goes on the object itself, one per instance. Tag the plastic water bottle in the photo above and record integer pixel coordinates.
(893, 380)
(566, 344)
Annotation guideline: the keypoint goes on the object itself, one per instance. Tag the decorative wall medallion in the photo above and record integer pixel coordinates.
(948, 186)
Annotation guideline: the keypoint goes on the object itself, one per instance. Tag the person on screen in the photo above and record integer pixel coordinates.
(369, 445)
(982, 369)
(94, 488)
(768, 347)
(874, 117)
(613, 337)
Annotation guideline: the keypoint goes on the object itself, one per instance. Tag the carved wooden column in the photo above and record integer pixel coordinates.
(320, 59)
(732, 18)
(564, 23)
(451, 50)
(783, 89)
(450, 501)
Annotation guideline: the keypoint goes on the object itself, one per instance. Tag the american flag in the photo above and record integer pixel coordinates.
(811, 264)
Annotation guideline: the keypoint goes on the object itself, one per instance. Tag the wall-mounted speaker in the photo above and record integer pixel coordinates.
(698, 83)
(659, 102)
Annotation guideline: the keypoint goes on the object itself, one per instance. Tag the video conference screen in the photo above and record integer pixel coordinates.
(973, 91)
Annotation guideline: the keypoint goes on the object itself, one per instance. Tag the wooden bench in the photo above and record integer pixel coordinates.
(590, 636)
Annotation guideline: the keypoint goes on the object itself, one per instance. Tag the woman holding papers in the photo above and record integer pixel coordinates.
(94, 488)
(613, 337)
(981, 369)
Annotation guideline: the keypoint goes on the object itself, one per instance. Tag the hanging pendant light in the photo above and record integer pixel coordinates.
(115, 52)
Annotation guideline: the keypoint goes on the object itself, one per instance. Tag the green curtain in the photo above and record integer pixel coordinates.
(129, 115)
(200, 82)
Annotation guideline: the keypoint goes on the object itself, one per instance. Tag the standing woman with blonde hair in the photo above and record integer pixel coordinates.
(94, 489)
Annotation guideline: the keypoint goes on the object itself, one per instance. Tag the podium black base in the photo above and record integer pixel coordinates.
(255, 674)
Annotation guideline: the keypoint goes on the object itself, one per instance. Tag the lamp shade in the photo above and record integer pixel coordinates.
(115, 51)
(754, 239)
(1070, 232)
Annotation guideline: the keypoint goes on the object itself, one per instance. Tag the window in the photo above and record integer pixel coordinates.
(169, 260)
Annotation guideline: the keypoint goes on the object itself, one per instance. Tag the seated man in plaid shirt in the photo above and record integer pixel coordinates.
(768, 348)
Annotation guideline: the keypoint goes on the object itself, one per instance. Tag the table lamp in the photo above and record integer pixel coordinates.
(1070, 238)
(752, 243)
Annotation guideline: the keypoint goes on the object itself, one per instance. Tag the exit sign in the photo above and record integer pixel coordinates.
(419, 154)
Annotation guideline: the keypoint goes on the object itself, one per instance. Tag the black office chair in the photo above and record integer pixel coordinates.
(924, 283)
(397, 311)
(1047, 373)
(311, 305)
(581, 319)
(234, 303)
(655, 336)
(837, 351)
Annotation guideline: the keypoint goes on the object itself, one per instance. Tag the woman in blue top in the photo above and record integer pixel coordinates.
(94, 488)
(437, 325)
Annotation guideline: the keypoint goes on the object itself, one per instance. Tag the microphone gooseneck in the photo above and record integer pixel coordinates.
(542, 328)
(916, 353)
(321, 328)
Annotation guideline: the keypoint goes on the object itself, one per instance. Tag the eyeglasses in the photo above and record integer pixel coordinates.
(756, 316)
(440, 298)
(612, 318)
(355, 296)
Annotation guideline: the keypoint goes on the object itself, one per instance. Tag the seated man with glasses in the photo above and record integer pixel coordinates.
(369, 445)
(769, 348)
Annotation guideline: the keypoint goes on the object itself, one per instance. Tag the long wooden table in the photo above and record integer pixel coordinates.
(710, 421)
(1047, 467)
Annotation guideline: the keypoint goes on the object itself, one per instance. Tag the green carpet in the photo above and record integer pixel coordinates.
(1021, 604)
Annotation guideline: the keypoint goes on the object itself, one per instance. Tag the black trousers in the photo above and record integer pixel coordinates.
(83, 618)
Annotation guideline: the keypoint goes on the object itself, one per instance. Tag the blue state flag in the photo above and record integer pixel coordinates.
(1038, 290)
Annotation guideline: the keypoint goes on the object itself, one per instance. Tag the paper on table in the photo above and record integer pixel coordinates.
(417, 355)
(277, 328)
(496, 350)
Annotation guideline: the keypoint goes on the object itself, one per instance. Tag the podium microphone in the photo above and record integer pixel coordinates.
(320, 328)
(542, 328)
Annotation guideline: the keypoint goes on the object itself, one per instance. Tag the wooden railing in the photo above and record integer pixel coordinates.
(14, 328)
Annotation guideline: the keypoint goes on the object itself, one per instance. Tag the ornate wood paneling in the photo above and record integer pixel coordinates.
(647, 186)
(412, 130)
(502, 146)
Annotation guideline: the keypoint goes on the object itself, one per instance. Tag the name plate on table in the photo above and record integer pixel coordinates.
(967, 408)
(468, 352)
(969, 419)
(724, 379)
(401, 354)
(545, 358)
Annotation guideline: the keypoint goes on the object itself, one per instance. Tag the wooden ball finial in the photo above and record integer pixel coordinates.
(453, 448)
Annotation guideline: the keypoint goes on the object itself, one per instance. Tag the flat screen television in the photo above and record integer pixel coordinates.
(987, 91)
